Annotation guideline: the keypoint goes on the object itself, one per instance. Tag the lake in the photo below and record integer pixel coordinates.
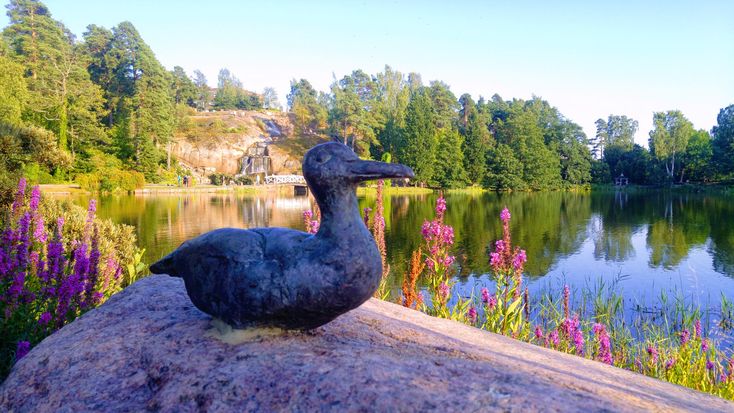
(648, 243)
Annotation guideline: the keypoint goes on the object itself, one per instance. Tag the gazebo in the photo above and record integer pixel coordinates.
(621, 180)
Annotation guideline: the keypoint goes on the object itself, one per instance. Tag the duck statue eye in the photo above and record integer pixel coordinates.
(323, 157)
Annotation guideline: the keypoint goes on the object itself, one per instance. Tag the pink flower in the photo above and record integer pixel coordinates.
(449, 260)
(440, 207)
(553, 338)
(653, 352)
(538, 333)
(709, 365)
(472, 313)
(670, 363)
(443, 291)
(697, 328)
(485, 295)
(685, 335)
(505, 215)
(492, 302)
(519, 260)
(704, 345)
(495, 260)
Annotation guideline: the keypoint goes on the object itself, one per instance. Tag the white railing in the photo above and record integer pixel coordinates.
(285, 180)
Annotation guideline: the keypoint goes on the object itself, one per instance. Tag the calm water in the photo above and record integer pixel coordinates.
(647, 242)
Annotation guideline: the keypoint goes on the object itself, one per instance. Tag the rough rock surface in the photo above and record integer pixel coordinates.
(148, 348)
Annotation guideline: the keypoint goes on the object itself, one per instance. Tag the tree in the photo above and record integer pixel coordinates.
(696, 160)
(203, 96)
(61, 94)
(504, 170)
(144, 114)
(309, 115)
(418, 146)
(227, 88)
(723, 143)
(669, 137)
(474, 146)
(353, 114)
(445, 105)
(270, 98)
(615, 131)
(449, 160)
(13, 91)
(393, 97)
(183, 88)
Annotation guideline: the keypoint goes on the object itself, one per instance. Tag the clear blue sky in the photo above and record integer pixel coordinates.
(587, 58)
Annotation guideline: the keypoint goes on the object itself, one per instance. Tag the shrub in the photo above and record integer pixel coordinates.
(57, 261)
(110, 180)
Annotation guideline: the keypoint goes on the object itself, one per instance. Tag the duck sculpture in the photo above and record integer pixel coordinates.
(279, 277)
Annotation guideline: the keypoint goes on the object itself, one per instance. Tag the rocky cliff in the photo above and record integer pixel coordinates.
(217, 141)
(149, 349)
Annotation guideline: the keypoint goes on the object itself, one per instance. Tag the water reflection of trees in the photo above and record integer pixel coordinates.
(550, 226)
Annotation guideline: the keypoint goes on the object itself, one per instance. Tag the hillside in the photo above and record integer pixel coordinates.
(210, 142)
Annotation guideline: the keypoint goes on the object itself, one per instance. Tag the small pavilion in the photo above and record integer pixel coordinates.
(621, 180)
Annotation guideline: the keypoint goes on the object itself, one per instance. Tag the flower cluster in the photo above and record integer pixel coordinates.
(604, 346)
(507, 263)
(312, 225)
(45, 282)
(439, 238)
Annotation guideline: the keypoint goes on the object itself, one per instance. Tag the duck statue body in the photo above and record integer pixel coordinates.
(279, 277)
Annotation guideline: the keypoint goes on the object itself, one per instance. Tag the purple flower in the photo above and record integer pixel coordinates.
(472, 313)
(519, 260)
(566, 296)
(315, 225)
(443, 291)
(448, 260)
(45, 318)
(605, 347)
(709, 365)
(19, 196)
(505, 215)
(485, 295)
(670, 363)
(440, 207)
(685, 335)
(22, 349)
(704, 345)
(578, 341)
(653, 352)
(553, 338)
(35, 198)
(492, 302)
(538, 333)
(495, 260)
(697, 328)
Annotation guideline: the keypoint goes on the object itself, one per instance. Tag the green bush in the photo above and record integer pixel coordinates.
(110, 180)
(220, 179)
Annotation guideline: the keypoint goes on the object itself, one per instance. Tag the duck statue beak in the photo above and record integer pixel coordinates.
(370, 170)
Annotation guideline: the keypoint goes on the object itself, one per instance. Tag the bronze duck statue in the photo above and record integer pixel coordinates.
(279, 277)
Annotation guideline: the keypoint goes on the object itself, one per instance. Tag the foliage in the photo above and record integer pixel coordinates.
(56, 262)
(724, 140)
(669, 137)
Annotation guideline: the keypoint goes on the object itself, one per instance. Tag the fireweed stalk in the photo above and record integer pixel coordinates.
(438, 239)
(506, 315)
(46, 282)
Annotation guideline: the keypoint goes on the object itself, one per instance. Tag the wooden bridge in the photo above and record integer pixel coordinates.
(285, 180)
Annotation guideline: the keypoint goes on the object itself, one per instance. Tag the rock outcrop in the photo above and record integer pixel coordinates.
(217, 141)
(148, 348)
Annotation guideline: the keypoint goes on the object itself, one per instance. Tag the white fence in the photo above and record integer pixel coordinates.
(285, 180)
